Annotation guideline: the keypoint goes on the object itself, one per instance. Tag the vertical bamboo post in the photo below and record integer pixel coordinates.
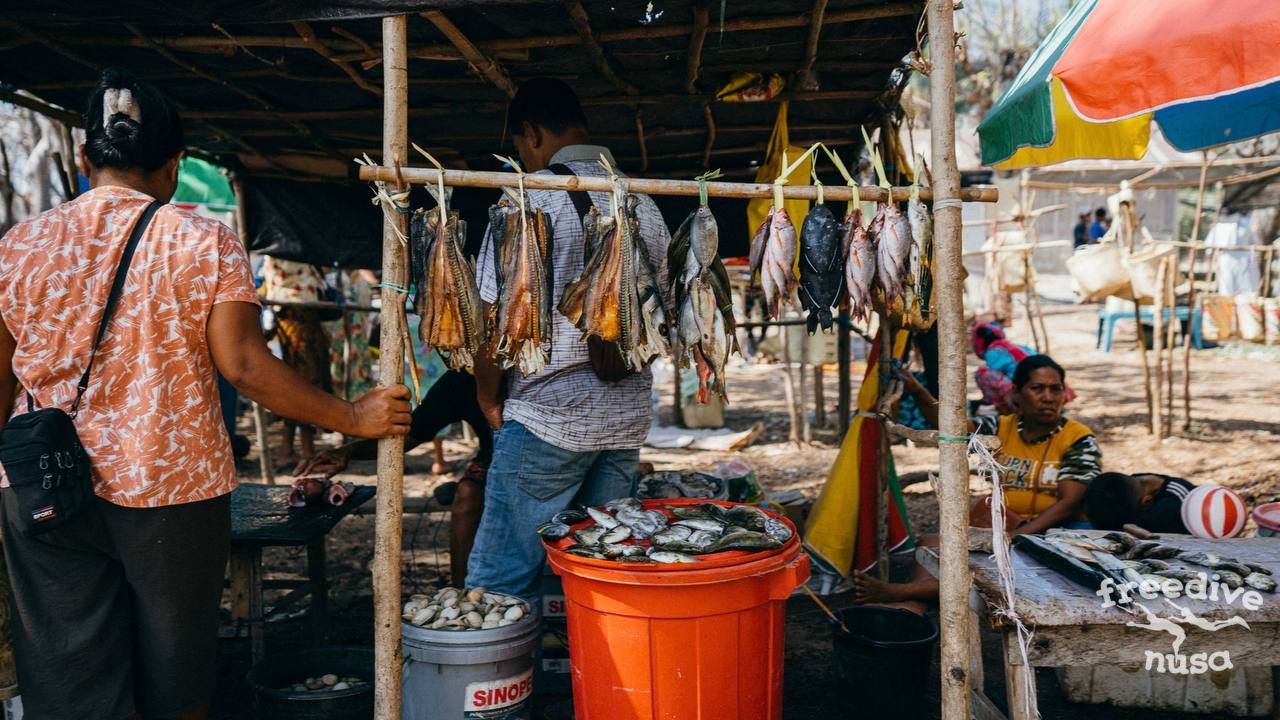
(842, 361)
(806, 434)
(386, 549)
(789, 385)
(1171, 301)
(1191, 294)
(1157, 347)
(953, 483)
(266, 471)
(884, 371)
(1130, 232)
(819, 397)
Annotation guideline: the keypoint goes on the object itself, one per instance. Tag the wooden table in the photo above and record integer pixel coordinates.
(1072, 628)
(261, 517)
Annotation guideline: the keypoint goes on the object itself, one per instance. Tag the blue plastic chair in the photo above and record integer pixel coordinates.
(1107, 324)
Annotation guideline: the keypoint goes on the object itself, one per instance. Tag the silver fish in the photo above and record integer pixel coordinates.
(553, 530)
(702, 539)
(603, 518)
(614, 551)
(777, 268)
(859, 265)
(616, 535)
(747, 516)
(744, 540)
(618, 504)
(570, 517)
(1229, 578)
(675, 533)
(586, 552)
(1255, 567)
(1260, 581)
(590, 536)
(777, 530)
(704, 238)
(703, 524)
(669, 557)
(893, 244)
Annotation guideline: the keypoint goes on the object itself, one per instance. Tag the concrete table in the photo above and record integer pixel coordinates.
(1073, 628)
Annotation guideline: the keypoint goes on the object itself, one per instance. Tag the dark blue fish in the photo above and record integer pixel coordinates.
(821, 266)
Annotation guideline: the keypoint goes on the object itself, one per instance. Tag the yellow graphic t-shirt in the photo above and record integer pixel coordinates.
(1032, 471)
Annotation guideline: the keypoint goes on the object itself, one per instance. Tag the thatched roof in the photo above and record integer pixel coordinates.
(293, 87)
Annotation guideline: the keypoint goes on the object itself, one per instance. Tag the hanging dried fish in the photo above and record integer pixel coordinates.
(616, 298)
(918, 300)
(446, 297)
(773, 255)
(820, 266)
(522, 327)
(893, 245)
(705, 330)
(859, 264)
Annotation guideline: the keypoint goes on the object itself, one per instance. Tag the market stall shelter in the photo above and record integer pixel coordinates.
(296, 91)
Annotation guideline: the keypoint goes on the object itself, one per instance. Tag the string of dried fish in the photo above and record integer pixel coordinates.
(521, 329)
(445, 280)
(705, 328)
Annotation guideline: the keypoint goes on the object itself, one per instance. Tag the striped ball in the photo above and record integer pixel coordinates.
(1212, 511)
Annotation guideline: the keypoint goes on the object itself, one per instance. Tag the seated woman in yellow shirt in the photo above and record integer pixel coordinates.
(1048, 462)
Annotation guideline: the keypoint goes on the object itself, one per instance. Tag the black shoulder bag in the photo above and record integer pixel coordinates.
(47, 467)
(606, 357)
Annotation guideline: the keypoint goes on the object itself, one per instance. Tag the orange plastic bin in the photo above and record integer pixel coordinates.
(696, 640)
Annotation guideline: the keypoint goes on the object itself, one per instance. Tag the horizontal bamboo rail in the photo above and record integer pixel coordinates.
(651, 186)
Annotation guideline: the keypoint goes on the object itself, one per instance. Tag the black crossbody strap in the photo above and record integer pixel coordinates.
(117, 286)
(581, 200)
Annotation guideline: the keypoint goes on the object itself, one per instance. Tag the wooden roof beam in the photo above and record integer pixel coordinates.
(697, 35)
(76, 57)
(62, 115)
(497, 107)
(267, 105)
(479, 62)
(309, 37)
(811, 46)
(582, 24)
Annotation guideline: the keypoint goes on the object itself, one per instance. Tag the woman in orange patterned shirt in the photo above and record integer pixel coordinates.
(117, 612)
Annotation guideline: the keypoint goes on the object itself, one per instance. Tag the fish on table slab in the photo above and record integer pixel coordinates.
(773, 255)
(522, 330)
(446, 297)
(859, 264)
(893, 248)
(1260, 581)
(820, 266)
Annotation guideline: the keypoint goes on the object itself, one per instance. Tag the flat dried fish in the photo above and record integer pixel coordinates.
(446, 297)
(522, 329)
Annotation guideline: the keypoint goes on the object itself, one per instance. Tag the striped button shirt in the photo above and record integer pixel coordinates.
(565, 404)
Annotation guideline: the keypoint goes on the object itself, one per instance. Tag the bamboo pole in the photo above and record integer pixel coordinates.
(819, 398)
(653, 186)
(789, 388)
(388, 532)
(884, 364)
(806, 434)
(843, 390)
(1157, 347)
(953, 460)
(1171, 301)
(266, 471)
(1191, 296)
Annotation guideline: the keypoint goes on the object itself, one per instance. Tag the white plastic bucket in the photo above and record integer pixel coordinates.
(469, 674)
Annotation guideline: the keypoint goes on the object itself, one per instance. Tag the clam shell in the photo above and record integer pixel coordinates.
(504, 622)
(477, 594)
(451, 601)
(474, 619)
(467, 607)
(411, 607)
(450, 613)
(446, 593)
(494, 615)
(423, 616)
(489, 625)
(509, 601)
(439, 623)
(329, 679)
(492, 598)
(514, 613)
(341, 685)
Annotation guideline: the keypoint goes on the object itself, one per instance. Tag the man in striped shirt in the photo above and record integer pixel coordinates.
(564, 437)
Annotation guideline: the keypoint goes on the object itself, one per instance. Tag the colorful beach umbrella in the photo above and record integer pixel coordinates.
(1206, 71)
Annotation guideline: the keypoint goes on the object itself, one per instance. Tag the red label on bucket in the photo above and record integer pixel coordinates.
(505, 699)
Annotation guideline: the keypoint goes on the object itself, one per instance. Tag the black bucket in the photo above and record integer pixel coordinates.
(268, 677)
(884, 660)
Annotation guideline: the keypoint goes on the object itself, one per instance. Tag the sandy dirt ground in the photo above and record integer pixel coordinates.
(1233, 441)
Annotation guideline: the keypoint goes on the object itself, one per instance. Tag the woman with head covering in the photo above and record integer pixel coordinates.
(1000, 358)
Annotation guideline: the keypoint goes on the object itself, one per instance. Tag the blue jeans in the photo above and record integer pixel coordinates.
(529, 481)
